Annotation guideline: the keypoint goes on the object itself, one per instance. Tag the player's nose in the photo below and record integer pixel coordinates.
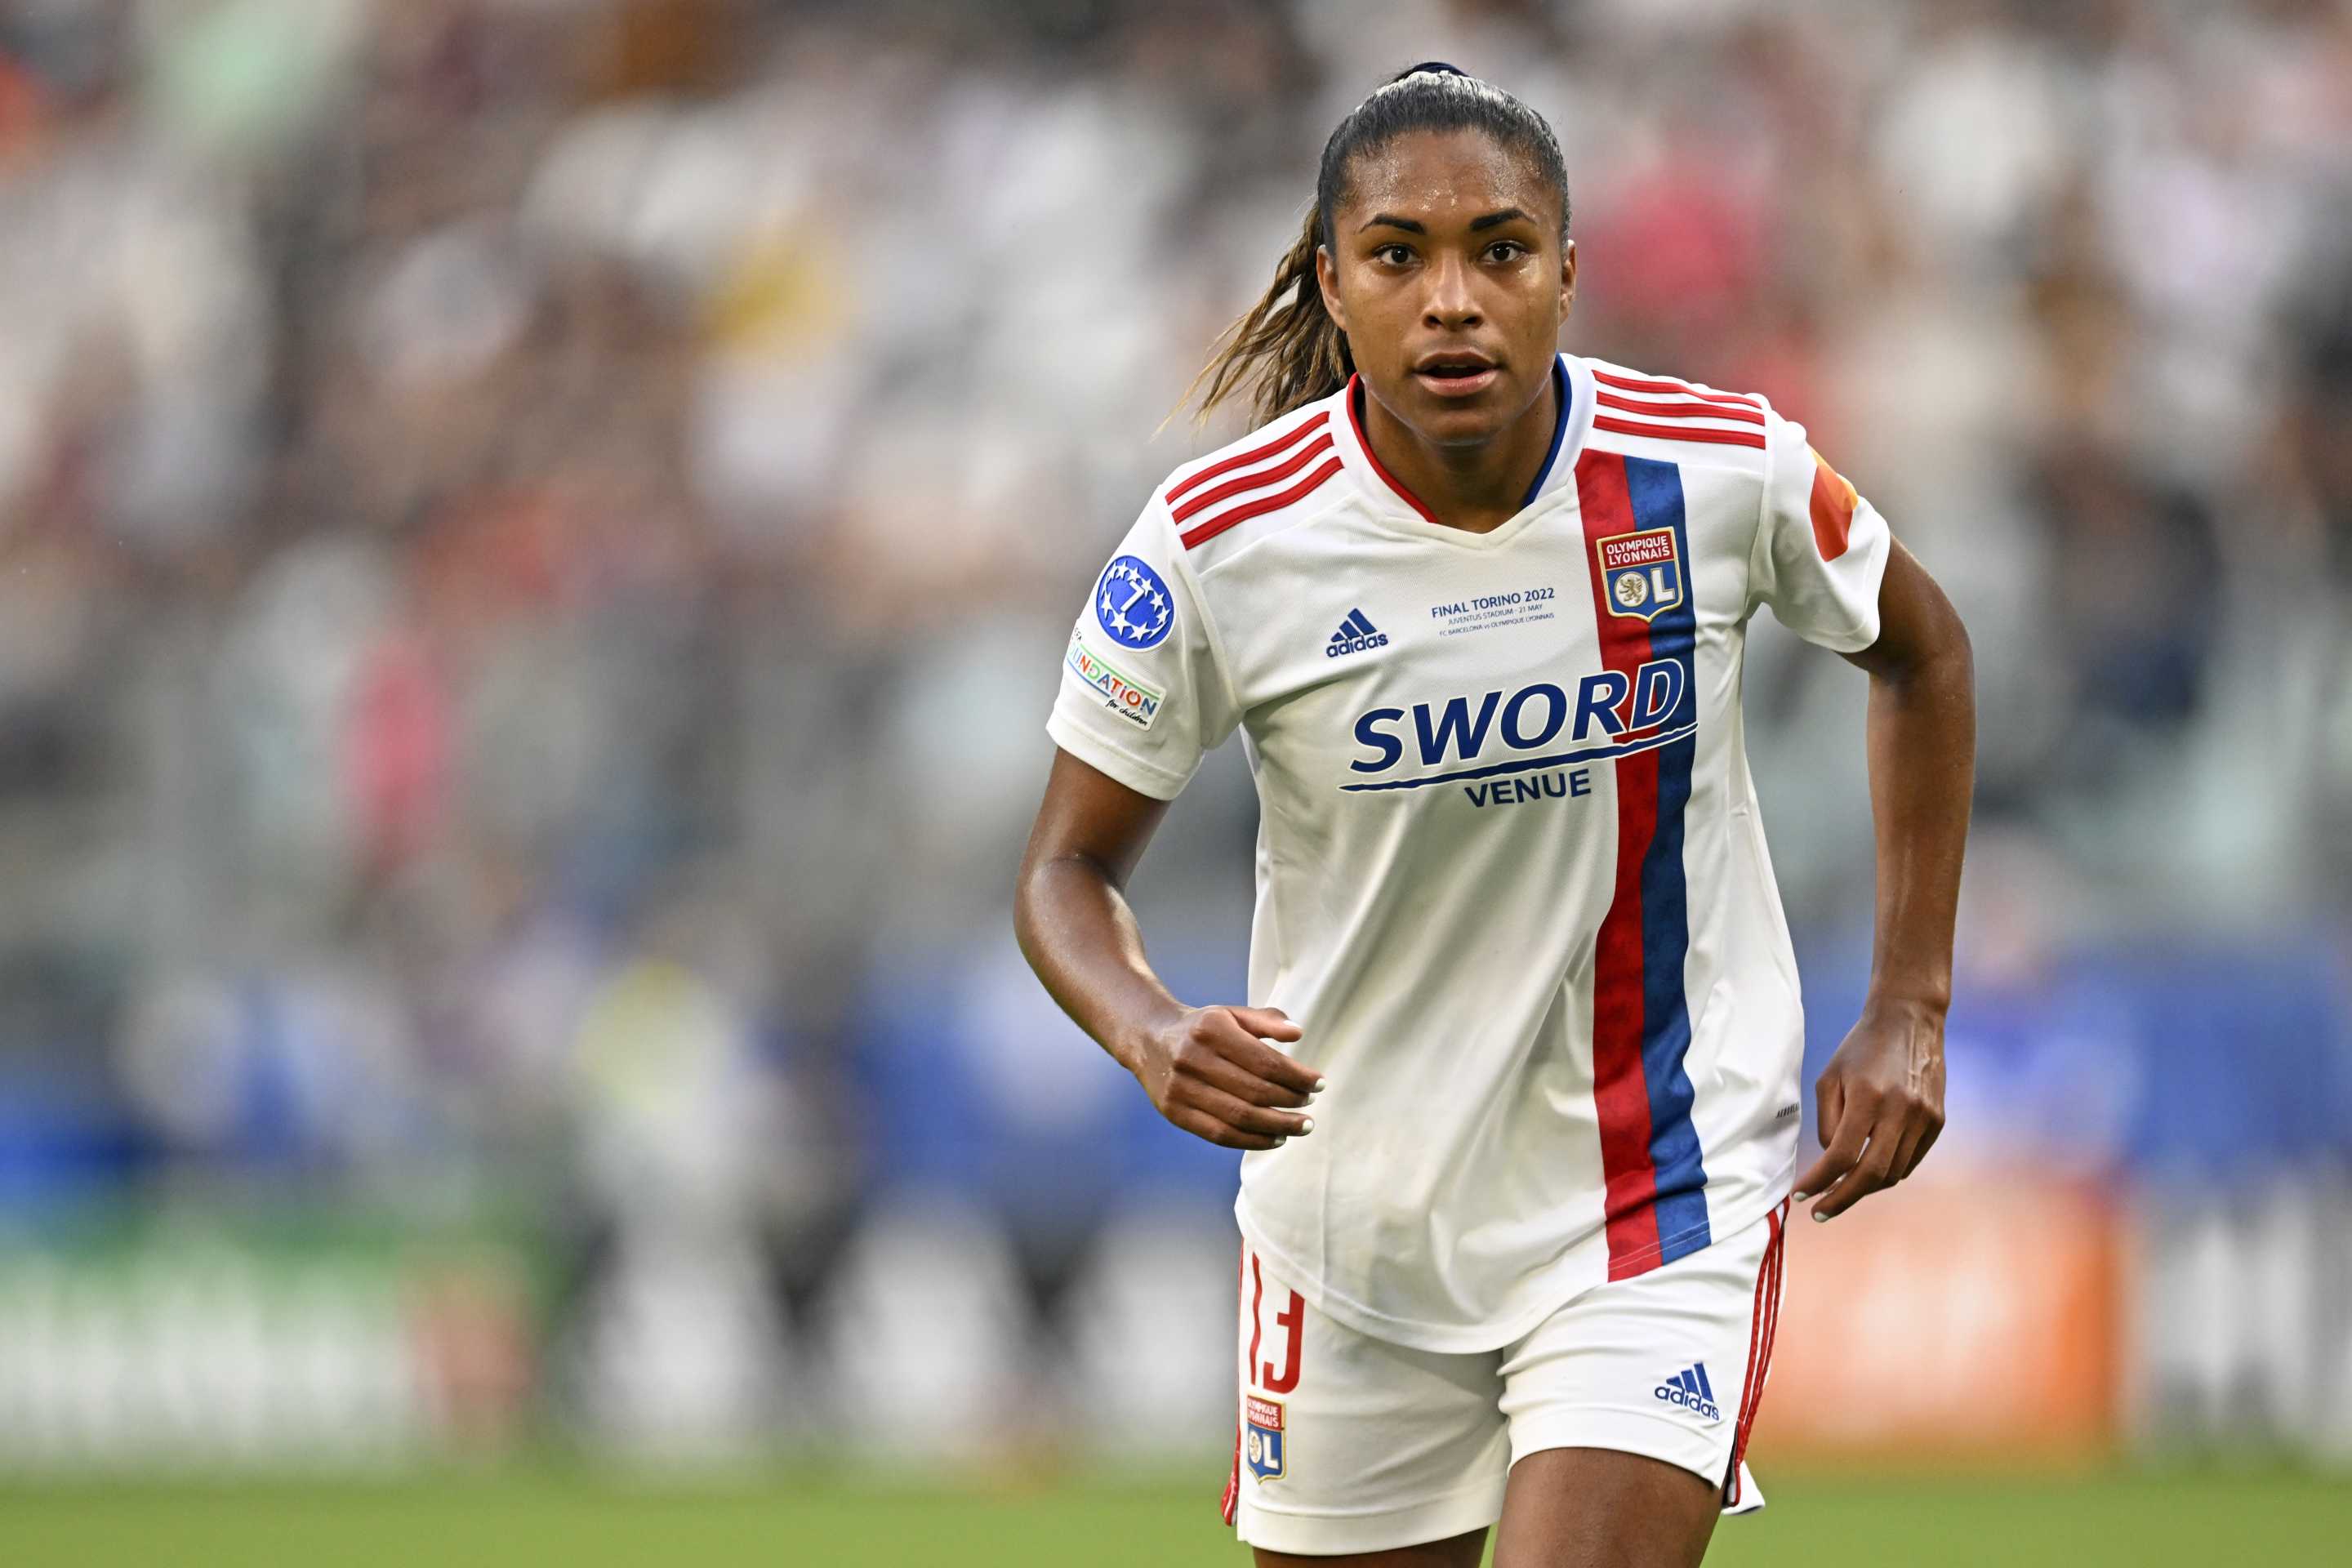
(1451, 302)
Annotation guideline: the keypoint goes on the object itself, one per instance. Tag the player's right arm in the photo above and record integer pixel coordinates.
(1143, 698)
(1207, 1069)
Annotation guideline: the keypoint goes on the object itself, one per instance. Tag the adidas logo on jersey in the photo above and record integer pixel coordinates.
(1355, 635)
(1690, 1389)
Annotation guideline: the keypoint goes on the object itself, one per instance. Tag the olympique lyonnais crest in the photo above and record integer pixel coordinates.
(1262, 1441)
(1641, 574)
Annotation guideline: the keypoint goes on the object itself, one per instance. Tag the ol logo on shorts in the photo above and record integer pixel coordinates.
(1133, 604)
(1262, 1440)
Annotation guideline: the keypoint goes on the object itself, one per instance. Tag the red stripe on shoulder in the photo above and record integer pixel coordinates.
(1635, 384)
(1202, 533)
(1690, 410)
(1257, 479)
(1679, 432)
(1242, 460)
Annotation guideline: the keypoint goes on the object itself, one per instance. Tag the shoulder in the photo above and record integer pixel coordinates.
(1278, 474)
(1644, 414)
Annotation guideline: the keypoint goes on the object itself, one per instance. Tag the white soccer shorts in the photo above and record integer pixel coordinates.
(1345, 1443)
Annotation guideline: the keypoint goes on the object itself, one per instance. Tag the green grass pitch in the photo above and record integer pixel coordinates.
(587, 1520)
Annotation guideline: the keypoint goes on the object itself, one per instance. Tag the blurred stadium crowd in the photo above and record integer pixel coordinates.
(535, 537)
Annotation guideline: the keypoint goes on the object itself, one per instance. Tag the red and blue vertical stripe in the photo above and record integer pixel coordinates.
(1656, 1201)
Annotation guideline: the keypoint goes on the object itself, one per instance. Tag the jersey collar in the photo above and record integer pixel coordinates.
(1572, 380)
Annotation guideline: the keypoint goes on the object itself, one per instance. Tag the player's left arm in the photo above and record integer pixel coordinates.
(1881, 1098)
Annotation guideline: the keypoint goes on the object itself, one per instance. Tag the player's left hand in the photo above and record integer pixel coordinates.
(1880, 1103)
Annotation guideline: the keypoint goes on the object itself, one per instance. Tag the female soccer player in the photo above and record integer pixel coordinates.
(1518, 1077)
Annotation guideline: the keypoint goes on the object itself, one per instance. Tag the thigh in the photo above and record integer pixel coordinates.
(1598, 1508)
(1630, 1409)
(1461, 1552)
(1352, 1448)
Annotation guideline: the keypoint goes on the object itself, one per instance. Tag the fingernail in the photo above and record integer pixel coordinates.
(1306, 1124)
(1820, 1218)
(1321, 1084)
(1280, 1142)
(1799, 1197)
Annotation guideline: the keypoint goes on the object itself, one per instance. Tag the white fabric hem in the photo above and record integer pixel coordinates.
(1704, 1452)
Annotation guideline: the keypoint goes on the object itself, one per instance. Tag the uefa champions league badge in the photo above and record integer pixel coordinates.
(1133, 604)
(1262, 1437)
(1641, 574)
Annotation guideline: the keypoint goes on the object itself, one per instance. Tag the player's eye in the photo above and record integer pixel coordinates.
(1394, 254)
(1507, 250)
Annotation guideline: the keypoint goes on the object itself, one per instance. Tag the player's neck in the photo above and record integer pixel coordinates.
(1474, 489)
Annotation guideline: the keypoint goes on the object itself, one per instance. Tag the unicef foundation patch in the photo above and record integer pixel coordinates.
(1122, 693)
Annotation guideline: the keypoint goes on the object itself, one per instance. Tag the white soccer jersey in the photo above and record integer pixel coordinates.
(1510, 877)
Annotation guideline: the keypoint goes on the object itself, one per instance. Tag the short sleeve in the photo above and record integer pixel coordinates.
(1821, 549)
(1142, 696)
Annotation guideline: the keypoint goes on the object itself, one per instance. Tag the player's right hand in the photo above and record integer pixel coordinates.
(1211, 1073)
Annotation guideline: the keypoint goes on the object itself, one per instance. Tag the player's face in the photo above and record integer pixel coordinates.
(1447, 272)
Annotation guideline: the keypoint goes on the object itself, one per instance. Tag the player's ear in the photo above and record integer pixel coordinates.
(1566, 278)
(1327, 279)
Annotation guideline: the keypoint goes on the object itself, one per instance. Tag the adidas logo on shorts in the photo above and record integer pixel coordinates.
(1690, 1389)
(1355, 635)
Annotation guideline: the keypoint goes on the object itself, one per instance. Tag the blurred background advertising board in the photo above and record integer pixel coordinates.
(1982, 1321)
(321, 1348)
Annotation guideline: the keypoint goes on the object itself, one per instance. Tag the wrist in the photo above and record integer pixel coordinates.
(1906, 1022)
(1933, 1005)
(1915, 999)
(1142, 1026)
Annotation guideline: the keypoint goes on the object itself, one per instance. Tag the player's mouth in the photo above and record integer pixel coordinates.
(1457, 373)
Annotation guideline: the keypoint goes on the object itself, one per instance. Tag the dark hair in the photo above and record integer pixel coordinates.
(1286, 349)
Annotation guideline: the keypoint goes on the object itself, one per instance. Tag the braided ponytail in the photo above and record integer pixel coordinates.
(1286, 351)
